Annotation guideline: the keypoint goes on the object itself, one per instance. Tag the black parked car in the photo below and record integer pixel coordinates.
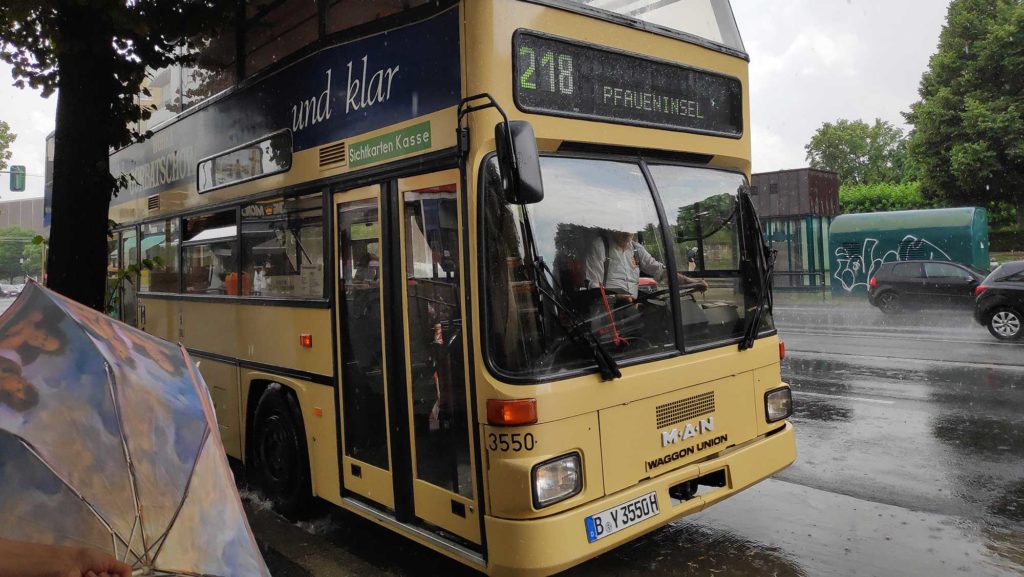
(896, 286)
(1000, 302)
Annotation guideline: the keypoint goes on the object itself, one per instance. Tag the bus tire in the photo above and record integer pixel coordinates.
(279, 455)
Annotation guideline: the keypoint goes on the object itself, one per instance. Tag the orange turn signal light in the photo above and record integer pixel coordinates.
(510, 412)
(306, 340)
(782, 349)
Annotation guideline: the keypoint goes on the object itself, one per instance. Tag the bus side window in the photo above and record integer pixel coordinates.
(208, 252)
(282, 247)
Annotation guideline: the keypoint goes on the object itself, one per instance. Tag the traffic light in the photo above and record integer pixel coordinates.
(17, 178)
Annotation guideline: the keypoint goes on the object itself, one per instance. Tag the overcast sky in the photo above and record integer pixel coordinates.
(815, 61)
(811, 61)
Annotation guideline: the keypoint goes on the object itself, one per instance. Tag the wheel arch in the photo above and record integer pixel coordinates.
(301, 397)
(889, 290)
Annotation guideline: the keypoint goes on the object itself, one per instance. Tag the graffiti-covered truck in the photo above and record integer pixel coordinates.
(863, 242)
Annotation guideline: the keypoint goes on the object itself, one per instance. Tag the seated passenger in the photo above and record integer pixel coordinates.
(615, 263)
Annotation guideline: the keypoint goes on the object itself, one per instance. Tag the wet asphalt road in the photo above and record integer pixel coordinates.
(910, 433)
(911, 463)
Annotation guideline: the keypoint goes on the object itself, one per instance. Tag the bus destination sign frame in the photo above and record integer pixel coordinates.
(560, 77)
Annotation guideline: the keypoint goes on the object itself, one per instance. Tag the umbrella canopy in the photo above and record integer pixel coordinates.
(108, 439)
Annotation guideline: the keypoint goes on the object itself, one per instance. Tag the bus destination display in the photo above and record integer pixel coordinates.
(569, 79)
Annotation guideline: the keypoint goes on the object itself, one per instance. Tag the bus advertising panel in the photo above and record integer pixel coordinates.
(337, 92)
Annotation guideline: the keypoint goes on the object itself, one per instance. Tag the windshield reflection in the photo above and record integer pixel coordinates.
(595, 265)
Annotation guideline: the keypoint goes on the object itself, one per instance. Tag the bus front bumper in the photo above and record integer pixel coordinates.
(551, 544)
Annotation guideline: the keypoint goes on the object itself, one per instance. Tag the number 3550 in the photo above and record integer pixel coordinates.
(514, 442)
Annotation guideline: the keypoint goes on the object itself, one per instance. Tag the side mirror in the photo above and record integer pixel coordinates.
(519, 162)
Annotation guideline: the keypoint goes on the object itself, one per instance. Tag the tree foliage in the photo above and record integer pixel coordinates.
(968, 137)
(7, 138)
(32, 259)
(860, 153)
(36, 35)
(13, 241)
(95, 54)
(882, 197)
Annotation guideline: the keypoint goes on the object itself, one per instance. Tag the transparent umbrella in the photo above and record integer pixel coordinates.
(108, 439)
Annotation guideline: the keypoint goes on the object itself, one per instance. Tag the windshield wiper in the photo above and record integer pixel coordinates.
(766, 257)
(580, 332)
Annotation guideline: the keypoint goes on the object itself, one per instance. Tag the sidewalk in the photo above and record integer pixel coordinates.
(292, 552)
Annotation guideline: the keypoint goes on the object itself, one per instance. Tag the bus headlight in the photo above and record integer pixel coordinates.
(557, 479)
(778, 404)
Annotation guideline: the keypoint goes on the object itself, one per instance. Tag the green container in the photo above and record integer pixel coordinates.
(860, 243)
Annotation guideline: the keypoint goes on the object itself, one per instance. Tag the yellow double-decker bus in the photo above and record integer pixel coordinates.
(485, 272)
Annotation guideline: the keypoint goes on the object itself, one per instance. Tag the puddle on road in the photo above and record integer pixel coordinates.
(779, 528)
(1010, 505)
(693, 548)
(973, 433)
(807, 408)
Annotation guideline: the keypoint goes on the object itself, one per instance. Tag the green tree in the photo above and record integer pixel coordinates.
(968, 136)
(12, 245)
(7, 138)
(32, 259)
(95, 54)
(882, 197)
(860, 153)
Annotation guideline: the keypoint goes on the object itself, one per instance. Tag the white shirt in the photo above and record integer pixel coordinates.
(623, 268)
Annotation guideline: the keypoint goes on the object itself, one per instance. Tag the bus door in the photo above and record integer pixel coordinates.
(443, 465)
(405, 431)
(366, 454)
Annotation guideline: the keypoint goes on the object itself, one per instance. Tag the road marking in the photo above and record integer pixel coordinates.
(880, 335)
(862, 399)
(1015, 366)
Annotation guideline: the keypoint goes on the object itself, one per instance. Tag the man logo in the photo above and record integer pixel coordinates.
(689, 431)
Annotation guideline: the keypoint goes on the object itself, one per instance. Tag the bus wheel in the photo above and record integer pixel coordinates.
(279, 454)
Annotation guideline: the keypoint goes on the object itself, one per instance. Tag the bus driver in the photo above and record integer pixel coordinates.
(615, 262)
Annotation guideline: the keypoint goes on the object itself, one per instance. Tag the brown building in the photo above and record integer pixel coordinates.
(797, 207)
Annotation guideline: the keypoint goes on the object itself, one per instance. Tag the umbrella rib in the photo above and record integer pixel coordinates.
(128, 457)
(28, 446)
(128, 549)
(184, 496)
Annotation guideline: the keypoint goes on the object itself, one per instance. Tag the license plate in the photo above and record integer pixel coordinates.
(609, 521)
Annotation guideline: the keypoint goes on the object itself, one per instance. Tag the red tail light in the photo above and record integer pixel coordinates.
(873, 282)
(980, 289)
(782, 349)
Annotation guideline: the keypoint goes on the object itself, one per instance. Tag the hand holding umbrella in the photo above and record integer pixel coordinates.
(34, 560)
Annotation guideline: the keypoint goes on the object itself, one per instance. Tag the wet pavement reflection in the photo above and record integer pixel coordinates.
(911, 457)
(910, 462)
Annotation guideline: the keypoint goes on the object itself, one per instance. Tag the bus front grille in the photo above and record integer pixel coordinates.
(684, 409)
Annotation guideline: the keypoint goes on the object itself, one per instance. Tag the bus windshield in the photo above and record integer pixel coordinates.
(590, 261)
(709, 19)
